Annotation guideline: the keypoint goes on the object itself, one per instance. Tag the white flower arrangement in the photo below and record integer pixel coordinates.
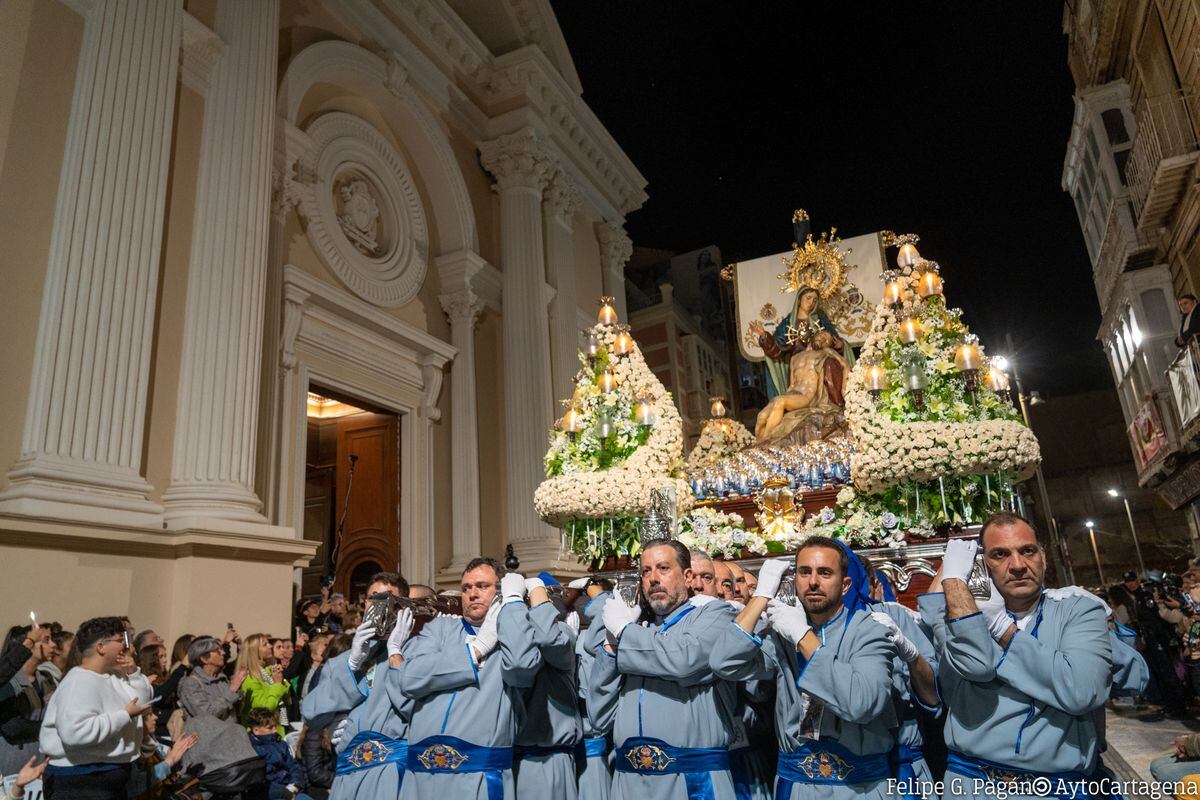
(719, 534)
(896, 445)
(719, 439)
(580, 485)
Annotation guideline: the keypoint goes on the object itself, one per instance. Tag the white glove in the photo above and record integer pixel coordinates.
(572, 622)
(487, 636)
(293, 788)
(339, 731)
(534, 583)
(578, 583)
(790, 622)
(400, 631)
(360, 648)
(959, 559)
(701, 600)
(617, 615)
(993, 610)
(769, 576)
(904, 647)
(1077, 591)
(512, 586)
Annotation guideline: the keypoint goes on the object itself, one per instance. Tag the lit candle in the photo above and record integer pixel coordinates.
(608, 382)
(967, 357)
(930, 284)
(893, 292)
(907, 256)
(876, 378)
(594, 345)
(997, 381)
(910, 330)
(644, 413)
(608, 314)
(718, 407)
(623, 343)
(571, 421)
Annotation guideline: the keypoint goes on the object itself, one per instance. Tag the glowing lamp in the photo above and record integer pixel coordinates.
(623, 342)
(608, 382)
(929, 285)
(893, 292)
(608, 314)
(910, 330)
(907, 257)
(876, 380)
(643, 412)
(967, 357)
(718, 407)
(572, 421)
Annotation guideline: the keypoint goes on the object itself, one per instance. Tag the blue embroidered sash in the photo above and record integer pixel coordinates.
(904, 756)
(370, 749)
(993, 771)
(449, 755)
(827, 762)
(644, 756)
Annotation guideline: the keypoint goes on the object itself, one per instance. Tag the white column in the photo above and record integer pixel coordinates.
(615, 250)
(212, 469)
(562, 198)
(463, 308)
(521, 168)
(81, 451)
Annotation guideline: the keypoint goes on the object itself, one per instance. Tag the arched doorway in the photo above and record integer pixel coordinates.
(359, 576)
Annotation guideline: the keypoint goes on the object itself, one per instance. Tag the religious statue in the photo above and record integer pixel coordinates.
(359, 219)
(813, 401)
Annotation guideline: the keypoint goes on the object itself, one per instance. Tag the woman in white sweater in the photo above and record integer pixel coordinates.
(92, 726)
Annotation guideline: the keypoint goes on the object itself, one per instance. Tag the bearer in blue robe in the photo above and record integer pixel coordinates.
(364, 681)
(1020, 675)
(595, 764)
(466, 677)
(552, 731)
(653, 684)
(914, 683)
(831, 663)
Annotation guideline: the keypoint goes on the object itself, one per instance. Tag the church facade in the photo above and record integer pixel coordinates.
(222, 214)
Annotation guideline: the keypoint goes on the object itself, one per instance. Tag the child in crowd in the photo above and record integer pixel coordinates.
(284, 773)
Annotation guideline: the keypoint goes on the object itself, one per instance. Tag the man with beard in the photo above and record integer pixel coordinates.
(363, 683)
(653, 683)
(466, 676)
(1019, 676)
(831, 664)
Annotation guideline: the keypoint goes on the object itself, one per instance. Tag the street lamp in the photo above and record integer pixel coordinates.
(1128, 513)
(1091, 526)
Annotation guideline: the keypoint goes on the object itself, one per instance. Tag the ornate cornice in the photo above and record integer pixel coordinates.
(518, 160)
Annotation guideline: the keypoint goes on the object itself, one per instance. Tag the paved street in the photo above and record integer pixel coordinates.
(1137, 735)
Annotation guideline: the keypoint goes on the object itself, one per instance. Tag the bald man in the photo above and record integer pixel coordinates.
(726, 587)
(741, 593)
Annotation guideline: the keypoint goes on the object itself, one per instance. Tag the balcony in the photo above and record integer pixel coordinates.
(1122, 248)
(1163, 157)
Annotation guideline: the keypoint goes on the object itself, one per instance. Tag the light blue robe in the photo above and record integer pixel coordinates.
(1030, 706)
(850, 673)
(373, 705)
(595, 774)
(907, 701)
(481, 705)
(552, 713)
(660, 685)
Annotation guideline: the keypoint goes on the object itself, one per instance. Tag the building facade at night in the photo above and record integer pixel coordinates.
(272, 264)
(1131, 169)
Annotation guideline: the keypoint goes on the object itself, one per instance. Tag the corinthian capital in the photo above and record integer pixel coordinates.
(518, 160)
(615, 245)
(462, 307)
(562, 197)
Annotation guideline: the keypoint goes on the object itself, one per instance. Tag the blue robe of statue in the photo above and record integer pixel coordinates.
(482, 705)
(1029, 707)
(778, 369)
(836, 705)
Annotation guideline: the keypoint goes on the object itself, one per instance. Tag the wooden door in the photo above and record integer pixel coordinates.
(372, 528)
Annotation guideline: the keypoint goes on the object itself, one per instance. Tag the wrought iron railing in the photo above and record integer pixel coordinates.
(1164, 130)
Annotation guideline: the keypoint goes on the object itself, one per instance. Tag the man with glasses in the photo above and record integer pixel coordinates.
(90, 731)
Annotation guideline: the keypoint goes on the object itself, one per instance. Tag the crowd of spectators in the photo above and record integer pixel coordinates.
(110, 711)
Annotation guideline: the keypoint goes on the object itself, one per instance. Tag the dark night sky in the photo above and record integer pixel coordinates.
(948, 120)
